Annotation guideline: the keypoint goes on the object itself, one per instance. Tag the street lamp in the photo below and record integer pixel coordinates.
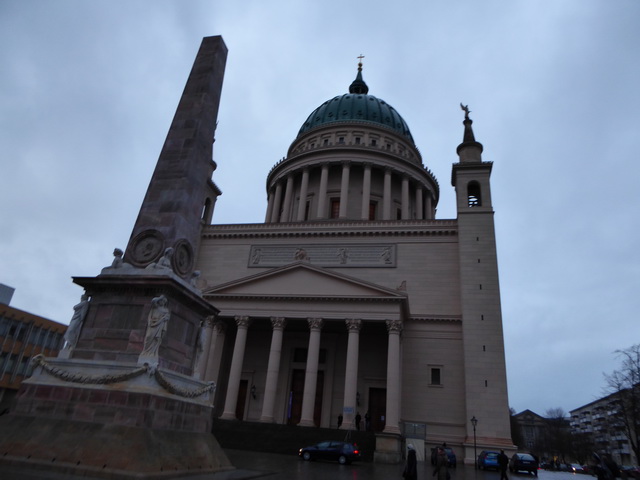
(474, 422)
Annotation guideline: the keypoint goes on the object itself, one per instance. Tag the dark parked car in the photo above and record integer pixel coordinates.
(451, 456)
(488, 460)
(523, 462)
(341, 451)
(577, 468)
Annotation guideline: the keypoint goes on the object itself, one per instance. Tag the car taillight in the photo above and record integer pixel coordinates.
(357, 452)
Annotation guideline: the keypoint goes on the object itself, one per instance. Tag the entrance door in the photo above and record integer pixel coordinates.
(242, 399)
(378, 408)
(294, 411)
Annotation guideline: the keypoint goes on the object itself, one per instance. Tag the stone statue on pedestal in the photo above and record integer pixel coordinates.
(75, 325)
(157, 324)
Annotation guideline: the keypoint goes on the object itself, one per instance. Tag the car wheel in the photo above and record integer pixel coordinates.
(342, 460)
(306, 456)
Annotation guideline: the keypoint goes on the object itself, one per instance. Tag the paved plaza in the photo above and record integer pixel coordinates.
(270, 466)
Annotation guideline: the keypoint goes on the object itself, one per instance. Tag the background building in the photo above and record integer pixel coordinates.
(599, 427)
(22, 336)
(532, 429)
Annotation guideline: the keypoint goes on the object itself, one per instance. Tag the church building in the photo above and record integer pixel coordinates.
(351, 300)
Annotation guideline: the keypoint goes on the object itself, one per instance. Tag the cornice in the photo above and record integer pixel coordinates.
(352, 229)
(436, 318)
(308, 298)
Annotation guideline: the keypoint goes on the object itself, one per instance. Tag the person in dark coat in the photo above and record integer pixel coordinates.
(442, 465)
(411, 468)
(503, 462)
(358, 420)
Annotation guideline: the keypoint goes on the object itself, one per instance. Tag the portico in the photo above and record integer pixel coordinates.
(310, 373)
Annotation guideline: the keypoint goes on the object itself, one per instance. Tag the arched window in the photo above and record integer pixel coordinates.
(474, 198)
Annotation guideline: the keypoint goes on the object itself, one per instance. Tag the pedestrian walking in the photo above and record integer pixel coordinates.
(411, 468)
(503, 462)
(442, 465)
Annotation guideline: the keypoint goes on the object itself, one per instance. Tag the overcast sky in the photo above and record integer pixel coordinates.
(88, 91)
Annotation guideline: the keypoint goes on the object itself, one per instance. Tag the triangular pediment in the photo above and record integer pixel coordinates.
(301, 279)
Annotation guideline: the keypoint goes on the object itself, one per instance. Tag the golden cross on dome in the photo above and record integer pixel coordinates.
(360, 57)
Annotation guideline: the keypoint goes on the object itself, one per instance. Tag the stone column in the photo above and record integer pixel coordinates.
(394, 327)
(304, 187)
(366, 191)
(267, 218)
(419, 204)
(203, 347)
(273, 369)
(235, 372)
(428, 214)
(311, 374)
(405, 197)
(288, 194)
(344, 190)
(275, 214)
(386, 198)
(322, 194)
(215, 353)
(351, 373)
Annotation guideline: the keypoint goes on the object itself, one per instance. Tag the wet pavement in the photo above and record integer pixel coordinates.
(287, 467)
(270, 466)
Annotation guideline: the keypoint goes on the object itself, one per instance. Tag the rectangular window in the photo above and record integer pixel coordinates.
(4, 326)
(335, 208)
(436, 377)
(372, 210)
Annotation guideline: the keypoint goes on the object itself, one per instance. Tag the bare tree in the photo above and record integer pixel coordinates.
(582, 446)
(557, 439)
(624, 386)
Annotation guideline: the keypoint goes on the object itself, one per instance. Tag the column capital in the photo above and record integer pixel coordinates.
(345, 163)
(315, 324)
(242, 321)
(394, 326)
(367, 164)
(209, 321)
(220, 327)
(353, 324)
(278, 323)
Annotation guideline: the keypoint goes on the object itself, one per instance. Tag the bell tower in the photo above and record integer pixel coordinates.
(485, 376)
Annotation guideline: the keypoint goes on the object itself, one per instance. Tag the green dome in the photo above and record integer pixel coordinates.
(357, 106)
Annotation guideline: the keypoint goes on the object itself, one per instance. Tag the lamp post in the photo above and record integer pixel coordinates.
(474, 422)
